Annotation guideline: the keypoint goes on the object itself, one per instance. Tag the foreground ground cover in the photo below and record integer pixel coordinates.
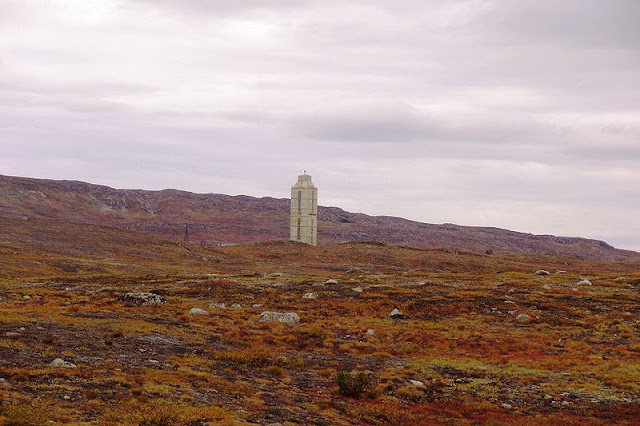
(477, 346)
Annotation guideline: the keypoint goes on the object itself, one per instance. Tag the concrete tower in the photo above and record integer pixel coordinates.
(304, 211)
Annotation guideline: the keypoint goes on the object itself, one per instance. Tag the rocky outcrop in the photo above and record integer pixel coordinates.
(142, 299)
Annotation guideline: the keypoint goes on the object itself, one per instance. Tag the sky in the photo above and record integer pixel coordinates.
(522, 115)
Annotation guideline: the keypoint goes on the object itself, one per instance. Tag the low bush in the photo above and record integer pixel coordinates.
(353, 385)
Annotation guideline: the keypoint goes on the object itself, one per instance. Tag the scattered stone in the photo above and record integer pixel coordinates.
(561, 272)
(236, 306)
(507, 406)
(66, 397)
(198, 311)
(371, 332)
(357, 289)
(331, 282)
(142, 299)
(542, 272)
(523, 317)
(546, 287)
(310, 296)
(26, 297)
(510, 302)
(217, 306)
(277, 274)
(397, 314)
(61, 363)
(14, 335)
(417, 383)
(257, 305)
(584, 282)
(283, 317)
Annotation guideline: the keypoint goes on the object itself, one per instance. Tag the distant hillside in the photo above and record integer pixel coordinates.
(216, 218)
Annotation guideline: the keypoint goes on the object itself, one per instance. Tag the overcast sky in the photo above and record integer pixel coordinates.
(521, 114)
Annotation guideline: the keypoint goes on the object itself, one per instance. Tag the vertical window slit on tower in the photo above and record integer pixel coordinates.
(299, 223)
(299, 201)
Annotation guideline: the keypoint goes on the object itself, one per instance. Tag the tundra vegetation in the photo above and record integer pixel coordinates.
(485, 340)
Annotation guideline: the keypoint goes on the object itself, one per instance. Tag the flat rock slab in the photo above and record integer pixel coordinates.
(283, 317)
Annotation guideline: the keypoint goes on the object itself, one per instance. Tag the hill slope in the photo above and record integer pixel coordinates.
(216, 218)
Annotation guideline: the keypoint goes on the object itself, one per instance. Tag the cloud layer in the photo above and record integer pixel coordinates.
(523, 115)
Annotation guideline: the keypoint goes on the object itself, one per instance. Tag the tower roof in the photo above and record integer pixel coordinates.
(304, 182)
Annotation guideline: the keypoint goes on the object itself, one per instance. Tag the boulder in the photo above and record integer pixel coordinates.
(357, 289)
(542, 272)
(236, 306)
(584, 282)
(217, 306)
(331, 282)
(14, 335)
(61, 363)
(198, 311)
(140, 298)
(417, 383)
(310, 296)
(523, 317)
(371, 332)
(397, 314)
(283, 317)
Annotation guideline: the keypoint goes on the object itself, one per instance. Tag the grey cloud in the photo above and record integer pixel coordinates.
(582, 23)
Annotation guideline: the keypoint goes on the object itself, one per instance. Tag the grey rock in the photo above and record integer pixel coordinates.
(236, 306)
(310, 296)
(542, 272)
(257, 305)
(140, 298)
(397, 314)
(584, 282)
(417, 383)
(371, 332)
(217, 306)
(546, 287)
(12, 335)
(60, 363)
(523, 317)
(198, 311)
(357, 289)
(507, 406)
(283, 317)
(331, 282)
